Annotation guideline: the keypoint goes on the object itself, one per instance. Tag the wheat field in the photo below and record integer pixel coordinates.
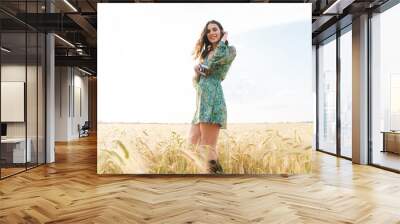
(272, 148)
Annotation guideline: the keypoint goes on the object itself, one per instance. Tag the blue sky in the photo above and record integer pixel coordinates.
(145, 65)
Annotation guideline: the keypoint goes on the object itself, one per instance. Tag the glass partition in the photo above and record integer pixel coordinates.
(22, 78)
(14, 153)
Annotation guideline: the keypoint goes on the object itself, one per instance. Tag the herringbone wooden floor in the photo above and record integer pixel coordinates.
(70, 191)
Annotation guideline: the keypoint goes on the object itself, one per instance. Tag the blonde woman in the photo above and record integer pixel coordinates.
(215, 57)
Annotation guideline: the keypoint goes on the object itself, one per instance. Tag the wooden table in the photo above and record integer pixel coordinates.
(391, 141)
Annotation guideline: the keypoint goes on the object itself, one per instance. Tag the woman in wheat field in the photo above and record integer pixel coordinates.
(215, 57)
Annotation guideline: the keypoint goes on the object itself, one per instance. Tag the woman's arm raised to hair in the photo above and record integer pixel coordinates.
(223, 55)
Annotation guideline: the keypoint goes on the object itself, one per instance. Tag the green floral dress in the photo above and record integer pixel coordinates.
(210, 102)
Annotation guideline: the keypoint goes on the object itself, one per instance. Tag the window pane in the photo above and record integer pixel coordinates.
(327, 96)
(346, 94)
(386, 88)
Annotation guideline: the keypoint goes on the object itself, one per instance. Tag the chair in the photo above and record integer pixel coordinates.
(84, 130)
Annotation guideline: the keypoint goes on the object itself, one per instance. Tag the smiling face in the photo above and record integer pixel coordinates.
(213, 33)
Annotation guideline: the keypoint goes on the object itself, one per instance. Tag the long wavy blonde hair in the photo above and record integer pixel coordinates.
(203, 45)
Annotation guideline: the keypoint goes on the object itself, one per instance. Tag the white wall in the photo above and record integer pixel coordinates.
(62, 80)
(12, 73)
(70, 83)
(79, 117)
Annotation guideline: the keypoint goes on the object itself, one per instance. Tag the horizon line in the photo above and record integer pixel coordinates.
(122, 122)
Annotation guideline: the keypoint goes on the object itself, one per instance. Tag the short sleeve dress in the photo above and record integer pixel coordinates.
(210, 101)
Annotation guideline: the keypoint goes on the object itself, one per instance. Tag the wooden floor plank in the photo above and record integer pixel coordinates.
(70, 191)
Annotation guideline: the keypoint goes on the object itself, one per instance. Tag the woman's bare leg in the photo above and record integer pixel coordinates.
(209, 137)
(194, 134)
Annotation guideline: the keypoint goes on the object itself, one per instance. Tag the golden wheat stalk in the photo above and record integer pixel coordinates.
(132, 148)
